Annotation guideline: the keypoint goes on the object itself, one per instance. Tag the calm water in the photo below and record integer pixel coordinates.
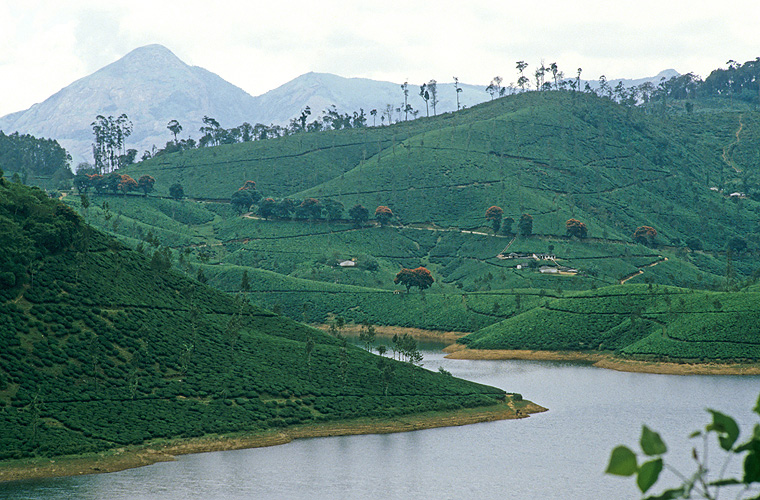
(560, 454)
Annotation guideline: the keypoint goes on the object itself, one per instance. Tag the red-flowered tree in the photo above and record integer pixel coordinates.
(493, 215)
(644, 235)
(383, 214)
(576, 228)
(419, 277)
(127, 184)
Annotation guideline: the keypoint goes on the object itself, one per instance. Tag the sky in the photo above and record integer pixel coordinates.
(259, 45)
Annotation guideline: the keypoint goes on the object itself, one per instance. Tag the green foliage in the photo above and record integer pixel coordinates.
(103, 348)
(702, 483)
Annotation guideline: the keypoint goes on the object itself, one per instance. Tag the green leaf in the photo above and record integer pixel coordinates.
(756, 409)
(648, 474)
(669, 494)
(695, 434)
(725, 482)
(651, 442)
(622, 462)
(726, 428)
(751, 468)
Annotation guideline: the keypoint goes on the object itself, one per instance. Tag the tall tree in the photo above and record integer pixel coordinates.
(525, 225)
(432, 88)
(458, 89)
(405, 89)
(373, 114)
(522, 80)
(175, 128)
(425, 94)
(359, 214)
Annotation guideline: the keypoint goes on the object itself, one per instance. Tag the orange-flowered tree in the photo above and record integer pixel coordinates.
(644, 235)
(127, 184)
(576, 228)
(493, 215)
(383, 214)
(419, 277)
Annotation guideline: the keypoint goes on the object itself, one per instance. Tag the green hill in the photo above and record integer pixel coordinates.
(554, 155)
(649, 322)
(105, 348)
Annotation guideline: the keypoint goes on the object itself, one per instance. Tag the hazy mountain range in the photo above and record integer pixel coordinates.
(153, 86)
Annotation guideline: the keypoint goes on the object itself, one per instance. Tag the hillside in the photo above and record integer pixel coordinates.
(105, 348)
(643, 322)
(553, 155)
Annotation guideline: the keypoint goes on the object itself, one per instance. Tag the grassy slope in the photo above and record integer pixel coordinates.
(555, 155)
(101, 350)
(637, 320)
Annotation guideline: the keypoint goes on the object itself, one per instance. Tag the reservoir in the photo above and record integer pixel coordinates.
(559, 454)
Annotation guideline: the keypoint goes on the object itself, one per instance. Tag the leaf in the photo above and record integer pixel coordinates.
(756, 409)
(726, 428)
(751, 468)
(622, 462)
(648, 474)
(725, 482)
(651, 442)
(669, 494)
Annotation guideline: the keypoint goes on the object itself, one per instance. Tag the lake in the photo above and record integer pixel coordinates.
(560, 454)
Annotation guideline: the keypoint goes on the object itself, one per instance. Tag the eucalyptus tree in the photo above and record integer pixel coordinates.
(425, 94)
(458, 89)
(522, 80)
(405, 89)
(432, 88)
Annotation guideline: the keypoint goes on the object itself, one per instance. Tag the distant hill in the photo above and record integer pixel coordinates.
(102, 347)
(152, 86)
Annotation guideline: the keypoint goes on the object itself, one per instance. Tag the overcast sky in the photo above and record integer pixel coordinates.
(259, 45)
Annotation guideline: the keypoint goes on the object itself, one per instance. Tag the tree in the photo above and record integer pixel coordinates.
(333, 208)
(358, 214)
(458, 89)
(495, 88)
(245, 283)
(700, 484)
(493, 215)
(109, 146)
(522, 80)
(176, 191)
(245, 196)
(310, 208)
(644, 235)
(175, 128)
(267, 207)
(425, 94)
(525, 225)
(506, 225)
(405, 89)
(432, 88)
(383, 214)
(367, 334)
(146, 183)
(127, 184)
(373, 114)
(576, 228)
(419, 277)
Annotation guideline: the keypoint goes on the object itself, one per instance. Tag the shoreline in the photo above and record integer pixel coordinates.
(167, 450)
(606, 361)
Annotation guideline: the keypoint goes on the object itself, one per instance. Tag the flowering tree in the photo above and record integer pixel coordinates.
(419, 277)
(644, 235)
(383, 214)
(493, 215)
(576, 228)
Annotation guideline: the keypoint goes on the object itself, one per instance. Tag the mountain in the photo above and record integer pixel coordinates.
(151, 86)
(321, 90)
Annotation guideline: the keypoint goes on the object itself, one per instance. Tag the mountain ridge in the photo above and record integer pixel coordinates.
(152, 86)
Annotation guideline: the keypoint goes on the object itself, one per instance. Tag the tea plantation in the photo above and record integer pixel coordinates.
(103, 347)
